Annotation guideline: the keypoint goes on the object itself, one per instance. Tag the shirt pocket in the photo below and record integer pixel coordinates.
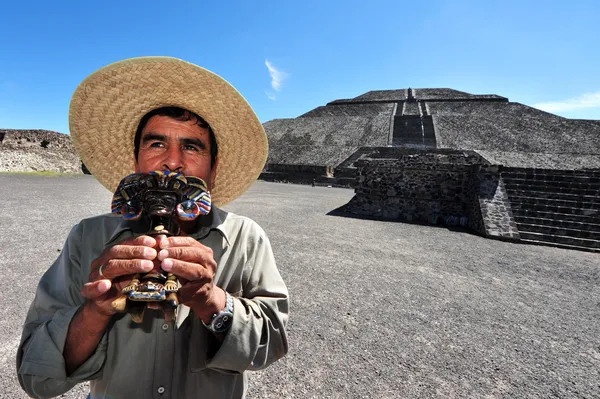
(199, 342)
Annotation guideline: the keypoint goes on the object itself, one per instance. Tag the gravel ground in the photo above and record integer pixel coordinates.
(379, 310)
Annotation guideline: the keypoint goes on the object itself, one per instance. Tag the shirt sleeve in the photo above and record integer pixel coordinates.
(257, 336)
(40, 362)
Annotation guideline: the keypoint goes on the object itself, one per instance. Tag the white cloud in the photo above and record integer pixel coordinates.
(271, 95)
(588, 100)
(277, 76)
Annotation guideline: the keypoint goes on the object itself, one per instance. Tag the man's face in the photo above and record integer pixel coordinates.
(177, 146)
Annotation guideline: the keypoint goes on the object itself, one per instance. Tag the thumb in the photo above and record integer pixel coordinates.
(95, 289)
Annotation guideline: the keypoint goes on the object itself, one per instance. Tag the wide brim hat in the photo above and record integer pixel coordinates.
(107, 107)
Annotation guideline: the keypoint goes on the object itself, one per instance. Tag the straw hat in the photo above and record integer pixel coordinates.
(107, 107)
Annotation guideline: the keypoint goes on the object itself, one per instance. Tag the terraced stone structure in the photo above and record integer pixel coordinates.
(441, 156)
(37, 150)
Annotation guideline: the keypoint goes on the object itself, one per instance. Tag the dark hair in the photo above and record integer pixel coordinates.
(182, 115)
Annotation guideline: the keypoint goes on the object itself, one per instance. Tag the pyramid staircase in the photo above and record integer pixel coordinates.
(556, 207)
(413, 126)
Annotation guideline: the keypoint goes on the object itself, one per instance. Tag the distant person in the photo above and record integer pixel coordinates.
(140, 115)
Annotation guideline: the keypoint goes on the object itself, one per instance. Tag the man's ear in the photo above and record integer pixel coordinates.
(136, 165)
(213, 173)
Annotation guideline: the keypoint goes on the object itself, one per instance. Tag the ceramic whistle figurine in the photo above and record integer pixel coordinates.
(160, 199)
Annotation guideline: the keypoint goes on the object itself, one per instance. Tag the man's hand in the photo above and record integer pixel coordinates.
(130, 256)
(119, 263)
(194, 265)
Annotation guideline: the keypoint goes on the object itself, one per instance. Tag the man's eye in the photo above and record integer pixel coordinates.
(190, 148)
(157, 144)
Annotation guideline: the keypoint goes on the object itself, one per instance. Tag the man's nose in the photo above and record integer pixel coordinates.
(173, 160)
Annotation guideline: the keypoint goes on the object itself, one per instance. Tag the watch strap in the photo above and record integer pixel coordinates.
(228, 311)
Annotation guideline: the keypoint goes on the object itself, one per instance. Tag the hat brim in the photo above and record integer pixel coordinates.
(107, 107)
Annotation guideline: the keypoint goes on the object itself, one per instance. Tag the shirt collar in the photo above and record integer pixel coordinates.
(215, 220)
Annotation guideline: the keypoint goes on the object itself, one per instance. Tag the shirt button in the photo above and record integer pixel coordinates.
(161, 390)
(165, 326)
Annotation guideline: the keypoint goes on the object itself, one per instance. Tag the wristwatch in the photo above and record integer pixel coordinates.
(222, 321)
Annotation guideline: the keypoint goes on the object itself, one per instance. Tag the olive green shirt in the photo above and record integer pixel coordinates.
(158, 359)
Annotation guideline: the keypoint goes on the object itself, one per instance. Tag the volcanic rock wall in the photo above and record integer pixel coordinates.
(442, 187)
(419, 186)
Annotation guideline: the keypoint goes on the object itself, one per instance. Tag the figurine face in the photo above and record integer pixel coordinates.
(176, 146)
(159, 202)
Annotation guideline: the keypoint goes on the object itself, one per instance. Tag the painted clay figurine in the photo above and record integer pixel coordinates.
(160, 199)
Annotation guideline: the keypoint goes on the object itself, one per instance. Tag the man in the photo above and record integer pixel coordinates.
(144, 114)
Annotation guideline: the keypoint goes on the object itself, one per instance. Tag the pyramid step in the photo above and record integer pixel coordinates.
(411, 138)
(358, 154)
(576, 203)
(593, 212)
(567, 224)
(345, 172)
(590, 184)
(551, 177)
(528, 172)
(410, 109)
(544, 214)
(512, 187)
(569, 196)
(567, 172)
(563, 172)
(579, 242)
(558, 231)
(558, 245)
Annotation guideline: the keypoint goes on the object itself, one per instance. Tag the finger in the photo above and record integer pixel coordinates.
(159, 238)
(203, 256)
(180, 241)
(187, 270)
(123, 267)
(144, 240)
(130, 252)
(96, 289)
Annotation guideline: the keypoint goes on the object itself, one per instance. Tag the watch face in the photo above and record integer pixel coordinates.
(222, 322)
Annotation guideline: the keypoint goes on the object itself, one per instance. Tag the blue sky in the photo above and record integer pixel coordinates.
(289, 57)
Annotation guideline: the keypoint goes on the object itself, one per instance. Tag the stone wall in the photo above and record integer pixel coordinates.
(37, 150)
(301, 174)
(419, 186)
(489, 207)
(443, 187)
(292, 169)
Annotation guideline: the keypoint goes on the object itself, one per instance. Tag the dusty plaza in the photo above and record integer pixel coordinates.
(378, 309)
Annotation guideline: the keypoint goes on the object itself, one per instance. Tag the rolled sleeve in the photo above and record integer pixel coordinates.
(42, 371)
(257, 336)
(40, 362)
